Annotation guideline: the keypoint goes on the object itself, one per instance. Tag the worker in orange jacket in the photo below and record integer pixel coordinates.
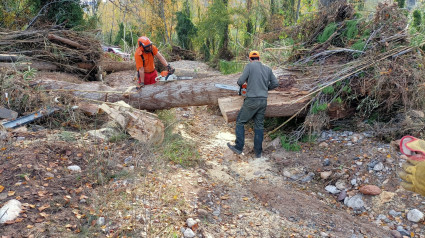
(145, 64)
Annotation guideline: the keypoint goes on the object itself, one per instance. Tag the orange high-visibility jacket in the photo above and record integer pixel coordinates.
(145, 60)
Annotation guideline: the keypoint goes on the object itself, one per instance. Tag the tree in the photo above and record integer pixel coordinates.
(186, 30)
(249, 26)
(69, 13)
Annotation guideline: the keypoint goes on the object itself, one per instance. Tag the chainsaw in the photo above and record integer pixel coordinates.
(168, 76)
(241, 89)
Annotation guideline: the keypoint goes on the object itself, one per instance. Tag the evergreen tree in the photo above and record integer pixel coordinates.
(186, 30)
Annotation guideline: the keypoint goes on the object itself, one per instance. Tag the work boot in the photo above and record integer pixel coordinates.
(233, 148)
(258, 142)
(240, 140)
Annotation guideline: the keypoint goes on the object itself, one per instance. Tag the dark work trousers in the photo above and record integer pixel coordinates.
(255, 109)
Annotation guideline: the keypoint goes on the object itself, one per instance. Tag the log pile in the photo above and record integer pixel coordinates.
(59, 50)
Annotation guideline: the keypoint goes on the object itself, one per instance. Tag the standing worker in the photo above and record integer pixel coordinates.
(145, 64)
(260, 79)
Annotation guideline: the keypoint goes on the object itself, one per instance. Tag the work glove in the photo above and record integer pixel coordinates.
(413, 176)
(170, 69)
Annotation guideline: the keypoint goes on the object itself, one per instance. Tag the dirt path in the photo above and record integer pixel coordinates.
(242, 196)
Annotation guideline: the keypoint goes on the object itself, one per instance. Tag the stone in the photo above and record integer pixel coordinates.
(103, 133)
(386, 196)
(370, 190)
(394, 213)
(396, 234)
(323, 144)
(342, 195)
(308, 177)
(101, 221)
(378, 167)
(202, 213)
(8, 114)
(74, 168)
(415, 215)
(274, 144)
(188, 233)
(355, 202)
(324, 234)
(402, 231)
(325, 174)
(332, 189)
(354, 182)
(190, 222)
(340, 184)
(10, 211)
(326, 162)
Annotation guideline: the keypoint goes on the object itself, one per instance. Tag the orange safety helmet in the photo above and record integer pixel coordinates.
(144, 42)
(254, 54)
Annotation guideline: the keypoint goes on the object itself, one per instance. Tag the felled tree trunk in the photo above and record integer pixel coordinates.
(181, 93)
(279, 104)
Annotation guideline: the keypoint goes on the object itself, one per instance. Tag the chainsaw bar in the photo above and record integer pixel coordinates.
(241, 90)
(228, 87)
(170, 78)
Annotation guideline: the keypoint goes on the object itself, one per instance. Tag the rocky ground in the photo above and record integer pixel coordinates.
(71, 183)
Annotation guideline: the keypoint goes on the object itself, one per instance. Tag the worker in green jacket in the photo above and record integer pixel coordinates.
(259, 79)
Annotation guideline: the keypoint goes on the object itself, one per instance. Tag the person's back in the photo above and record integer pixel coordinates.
(260, 79)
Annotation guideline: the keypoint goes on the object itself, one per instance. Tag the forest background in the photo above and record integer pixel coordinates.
(219, 31)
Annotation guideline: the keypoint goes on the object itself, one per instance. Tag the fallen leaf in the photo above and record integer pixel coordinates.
(45, 206)
(1, 188)
(30, 226)
(10, 193)
(245, 198)
(20, 219)
(225, 197)
(43, 214)
(68, 226)
(83, 197)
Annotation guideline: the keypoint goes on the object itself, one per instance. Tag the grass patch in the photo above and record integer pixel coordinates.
(67, 136)
(288, 145)
(180, 151)
(230, 67)
(176, 148)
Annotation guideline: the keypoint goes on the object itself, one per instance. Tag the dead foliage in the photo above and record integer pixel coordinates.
(358, 65)
(70, 51)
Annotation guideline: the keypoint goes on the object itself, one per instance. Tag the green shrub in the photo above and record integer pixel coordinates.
(351, 29)
(288, 145)
(328, 90)
(417, 19)
(316, 108)
(327, 32)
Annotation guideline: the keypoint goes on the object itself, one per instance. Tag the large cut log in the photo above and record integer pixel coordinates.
(142, 126)
(23, 66)
(115, 66)
(279, 104)
(181, 93)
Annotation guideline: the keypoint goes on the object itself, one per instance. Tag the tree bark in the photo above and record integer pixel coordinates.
(182, 93)
(74, 44)
(279, 104)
